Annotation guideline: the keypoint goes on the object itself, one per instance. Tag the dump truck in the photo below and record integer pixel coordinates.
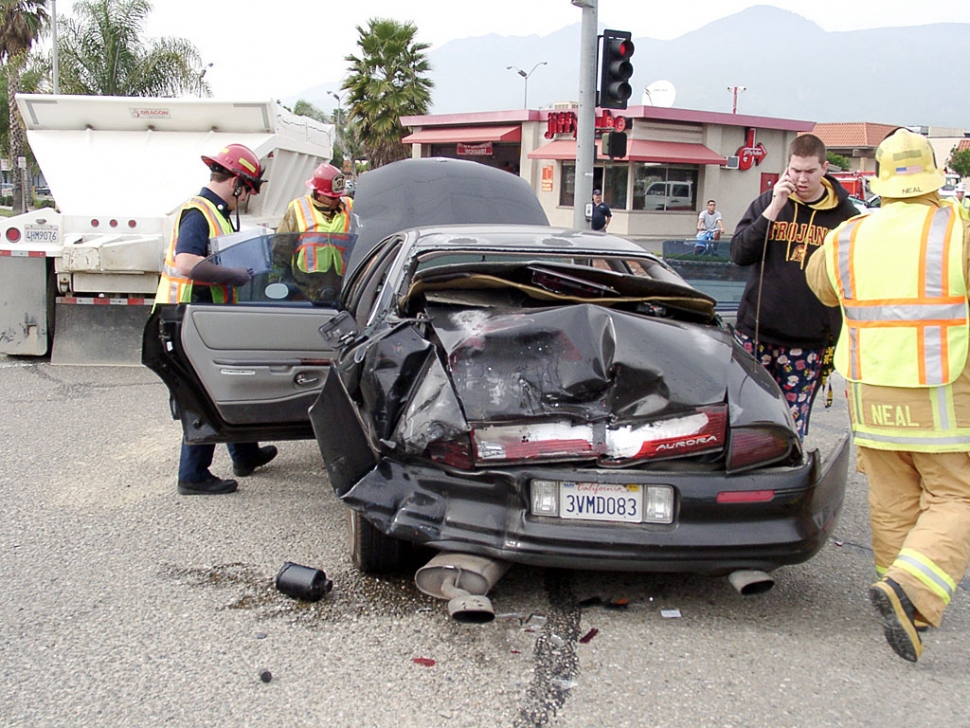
(78, 281)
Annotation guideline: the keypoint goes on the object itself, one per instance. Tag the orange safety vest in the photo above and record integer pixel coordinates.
(909, 329)
(175, 288)
(318, 256)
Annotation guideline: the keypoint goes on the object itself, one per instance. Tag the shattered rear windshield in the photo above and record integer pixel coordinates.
(506, 278)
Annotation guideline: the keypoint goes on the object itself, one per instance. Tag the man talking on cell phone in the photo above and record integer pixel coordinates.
(780, 321)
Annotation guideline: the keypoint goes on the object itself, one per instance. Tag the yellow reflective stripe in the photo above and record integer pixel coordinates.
(919, 443)
(857, 400)
(310, 219)
(319, 258)
(936, 247)
(931, 575)
(950, 311)
(881, 570)
(304, 214)
(175, 288)
(843, 252)
(944, 410)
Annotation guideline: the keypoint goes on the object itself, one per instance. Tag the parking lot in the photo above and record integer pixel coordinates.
(125, 604)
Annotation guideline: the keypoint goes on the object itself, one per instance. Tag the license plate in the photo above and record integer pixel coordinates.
(601, 502)
(40, 233)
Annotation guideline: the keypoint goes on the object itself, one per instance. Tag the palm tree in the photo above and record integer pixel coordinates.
(34, 78)
(21, 22)
(304, 108)
(386, 83)
(101, 53)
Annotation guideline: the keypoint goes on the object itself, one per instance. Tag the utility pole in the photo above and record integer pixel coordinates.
(586, 117)
(54, 50)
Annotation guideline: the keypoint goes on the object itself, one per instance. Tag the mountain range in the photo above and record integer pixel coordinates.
(790, 68)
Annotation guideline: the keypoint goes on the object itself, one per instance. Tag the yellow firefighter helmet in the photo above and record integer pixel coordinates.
(905, 166)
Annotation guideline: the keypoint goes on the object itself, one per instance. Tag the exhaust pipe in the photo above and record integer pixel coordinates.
(464, 580)
(750, 581)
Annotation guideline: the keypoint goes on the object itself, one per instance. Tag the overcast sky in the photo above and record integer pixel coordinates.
(262, 50)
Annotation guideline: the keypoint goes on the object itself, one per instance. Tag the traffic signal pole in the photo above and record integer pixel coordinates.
(586, 116)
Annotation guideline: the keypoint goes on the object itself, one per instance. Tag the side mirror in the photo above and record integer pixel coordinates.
(340, 330)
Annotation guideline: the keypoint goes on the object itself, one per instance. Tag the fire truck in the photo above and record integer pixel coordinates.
(78, 281)
(855, 183)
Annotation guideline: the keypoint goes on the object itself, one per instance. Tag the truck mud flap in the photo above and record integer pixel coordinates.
(100, 331)
(24, 303)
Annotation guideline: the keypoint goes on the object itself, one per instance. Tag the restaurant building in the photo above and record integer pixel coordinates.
(676, 160)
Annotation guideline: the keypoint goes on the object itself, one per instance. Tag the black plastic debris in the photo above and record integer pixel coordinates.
(303, 582)
(265, 675)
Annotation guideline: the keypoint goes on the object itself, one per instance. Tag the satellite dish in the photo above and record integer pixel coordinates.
(659, 93)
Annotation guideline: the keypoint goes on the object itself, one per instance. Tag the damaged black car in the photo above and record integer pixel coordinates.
(515, 393)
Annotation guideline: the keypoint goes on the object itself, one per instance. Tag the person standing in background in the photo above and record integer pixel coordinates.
(780, 321)
(601, 212)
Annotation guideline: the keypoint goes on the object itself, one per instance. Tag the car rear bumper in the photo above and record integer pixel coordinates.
(488, 513)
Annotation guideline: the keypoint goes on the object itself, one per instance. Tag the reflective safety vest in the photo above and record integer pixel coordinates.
(904, 341)
(175, 288)
(904, 305)
(961, 208)
(319, 256)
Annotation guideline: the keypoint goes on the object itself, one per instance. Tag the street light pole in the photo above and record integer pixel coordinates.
(736, 90)
(525, 76)
(336, 118)
(202, 76)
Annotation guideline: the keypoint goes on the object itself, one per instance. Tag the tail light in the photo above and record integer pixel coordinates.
(453, 453)
(13, 235)
(698, 431)
(753, 447)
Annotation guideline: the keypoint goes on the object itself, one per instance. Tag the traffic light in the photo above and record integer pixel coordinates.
(614, 144)
(616, 69)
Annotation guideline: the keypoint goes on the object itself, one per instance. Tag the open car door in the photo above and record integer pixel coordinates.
(250, 370)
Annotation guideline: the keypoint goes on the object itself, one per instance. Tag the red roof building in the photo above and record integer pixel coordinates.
(676, 159)
(855, 141)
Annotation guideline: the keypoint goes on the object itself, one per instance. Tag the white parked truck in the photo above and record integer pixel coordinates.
(81, 278)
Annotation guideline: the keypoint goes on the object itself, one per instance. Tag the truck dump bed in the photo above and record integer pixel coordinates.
(118, 169)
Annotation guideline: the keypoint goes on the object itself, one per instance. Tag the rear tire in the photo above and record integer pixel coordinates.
(371, 551)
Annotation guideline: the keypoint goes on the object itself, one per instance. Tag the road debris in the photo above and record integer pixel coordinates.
(303, 582)
(588, 637)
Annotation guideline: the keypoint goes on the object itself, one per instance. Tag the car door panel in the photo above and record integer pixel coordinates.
(258, 365)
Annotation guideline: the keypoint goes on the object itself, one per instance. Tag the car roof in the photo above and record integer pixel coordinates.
(438, 191)
(539, 238)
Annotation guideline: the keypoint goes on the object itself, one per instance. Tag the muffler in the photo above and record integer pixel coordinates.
(464, 580)
(750, 581)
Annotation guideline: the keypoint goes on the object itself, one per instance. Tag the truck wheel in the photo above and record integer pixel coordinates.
(371, 551)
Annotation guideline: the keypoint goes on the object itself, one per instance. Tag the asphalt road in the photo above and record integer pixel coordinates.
(122, 603)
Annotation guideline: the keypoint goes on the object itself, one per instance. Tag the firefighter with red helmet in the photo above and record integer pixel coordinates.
(187, 277)
(315, 259)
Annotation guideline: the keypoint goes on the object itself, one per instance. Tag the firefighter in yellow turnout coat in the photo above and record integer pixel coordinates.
(900, 276)
(316, 263)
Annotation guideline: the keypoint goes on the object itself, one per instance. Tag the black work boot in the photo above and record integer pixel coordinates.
(266, 453)
(898, 618)
(210, 486)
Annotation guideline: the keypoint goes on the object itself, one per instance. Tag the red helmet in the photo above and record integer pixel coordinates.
(328, 181)
(240, 162)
